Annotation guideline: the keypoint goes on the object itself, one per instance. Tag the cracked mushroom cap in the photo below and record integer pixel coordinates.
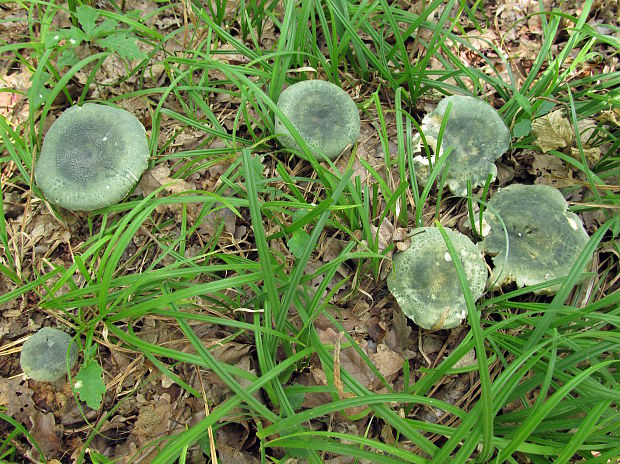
(323, 114)
(44, 354)
(544, 239)
(478, 136)
(92, 156)
(425, 283)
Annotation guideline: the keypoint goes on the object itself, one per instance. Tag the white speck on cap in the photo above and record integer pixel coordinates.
(572, 223)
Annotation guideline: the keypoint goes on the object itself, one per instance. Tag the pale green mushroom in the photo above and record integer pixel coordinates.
(544, 239)
(477, 136)
(44, 354)
(92, 156)
(425, 283)
(324, 115)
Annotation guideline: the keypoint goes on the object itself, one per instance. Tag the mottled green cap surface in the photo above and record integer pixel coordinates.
(92, 156)
(44, 354)
(477, 135)
(425, 283)
(323, 114)
(544, 239)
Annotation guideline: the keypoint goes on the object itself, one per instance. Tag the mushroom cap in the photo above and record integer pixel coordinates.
(477, 134)
(44, 354)
(425, 283)
(323, 114)
(544, 239)
(92, 156)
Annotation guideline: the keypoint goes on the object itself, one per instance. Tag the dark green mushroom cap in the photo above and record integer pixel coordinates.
(44, 354)
(323, 114)
(544, 239)
(425, 283)
(478, 136)
(92, 156)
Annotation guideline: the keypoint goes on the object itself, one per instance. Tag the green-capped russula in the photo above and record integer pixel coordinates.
(325, 117)
(477, 136)
(44, 354)
(544, 239)
(425, 283)
(92, 156)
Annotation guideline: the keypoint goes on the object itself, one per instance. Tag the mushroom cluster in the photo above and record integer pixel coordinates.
(324, 116)
(92, 156)
(527, 230)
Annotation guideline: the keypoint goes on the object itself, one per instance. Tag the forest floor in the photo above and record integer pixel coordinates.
(168, 298)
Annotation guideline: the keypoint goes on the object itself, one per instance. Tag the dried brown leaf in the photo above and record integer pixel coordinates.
(46, 434)
(552, 131)
(551, 170)
(16, 397)
(611, 117)
(231, 352)
(159, 176)
(592, 154)
(232, 456)
(387, 361)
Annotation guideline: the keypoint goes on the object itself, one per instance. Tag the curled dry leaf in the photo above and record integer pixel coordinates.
(383, 234)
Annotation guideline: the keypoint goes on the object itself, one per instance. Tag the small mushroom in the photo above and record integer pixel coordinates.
(544, 239)
(425, 283)
(477, 135)
(325, 117)
(44, 354)
(92, 156)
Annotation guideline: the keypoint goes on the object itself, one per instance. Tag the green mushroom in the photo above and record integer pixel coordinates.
(323, 114)
(544, 239)
(477, 135)
(44, 354)
(92, 156)
(425, 283)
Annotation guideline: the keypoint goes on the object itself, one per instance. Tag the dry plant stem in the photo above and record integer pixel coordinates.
(210, 429)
